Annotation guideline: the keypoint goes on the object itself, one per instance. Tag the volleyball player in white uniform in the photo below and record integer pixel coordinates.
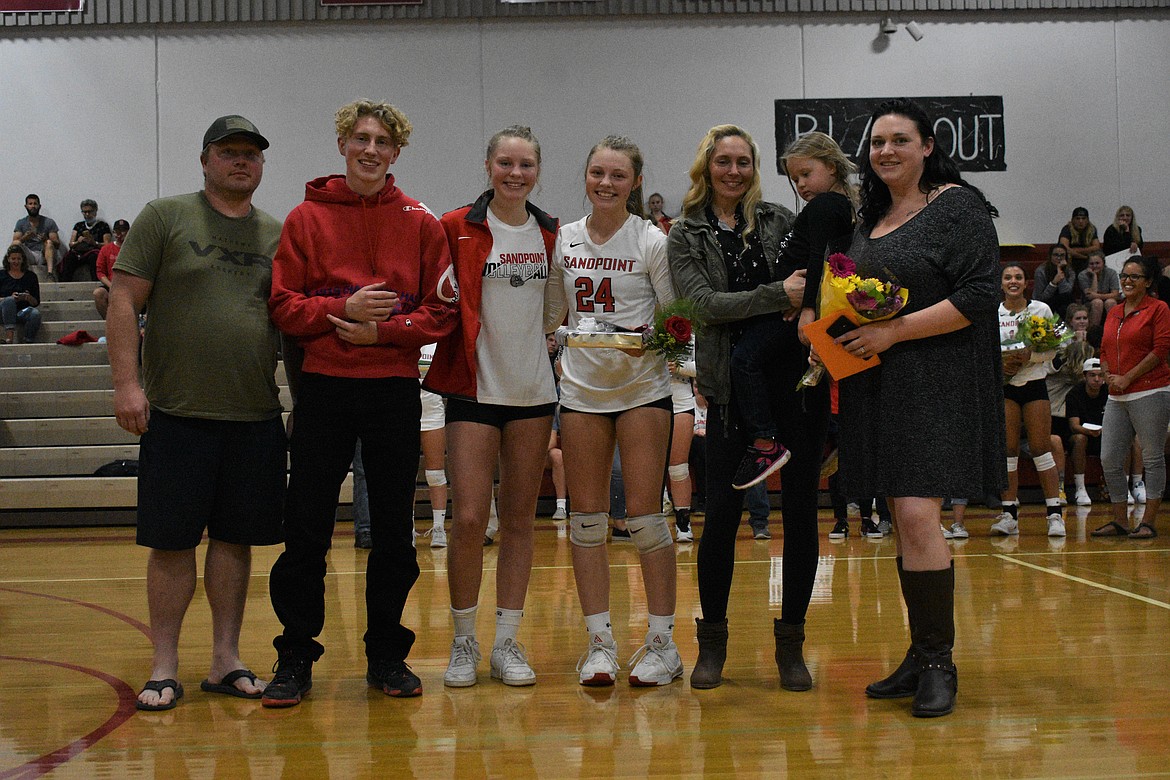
(612, 266)
(495, 373)
(679, 471)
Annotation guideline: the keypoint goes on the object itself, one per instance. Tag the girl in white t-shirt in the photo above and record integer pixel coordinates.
(495, 373)
(612, 266)
(1025, 399)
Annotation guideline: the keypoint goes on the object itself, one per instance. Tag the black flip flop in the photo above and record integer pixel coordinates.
(158, 686)
(227, 686)
(1112, 528)
(1139, 532)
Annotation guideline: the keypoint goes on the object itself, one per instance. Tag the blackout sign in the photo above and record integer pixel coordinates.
(969, 129)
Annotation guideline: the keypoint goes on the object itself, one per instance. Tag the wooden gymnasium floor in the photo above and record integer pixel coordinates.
(1063, 651)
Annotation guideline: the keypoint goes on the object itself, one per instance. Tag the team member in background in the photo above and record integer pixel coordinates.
(1025, 402)
(363, 280)
(495, 372)
(213, 448)
(105, 267)
(678, 473)
(611, 266)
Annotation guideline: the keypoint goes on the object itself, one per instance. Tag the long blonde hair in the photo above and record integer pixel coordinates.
(818, 146)
(699, 195)
(1135, 232)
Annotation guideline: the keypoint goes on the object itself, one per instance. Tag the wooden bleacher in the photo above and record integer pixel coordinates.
(57, 425)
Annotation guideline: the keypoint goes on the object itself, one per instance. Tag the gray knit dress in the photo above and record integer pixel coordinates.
(929, 420)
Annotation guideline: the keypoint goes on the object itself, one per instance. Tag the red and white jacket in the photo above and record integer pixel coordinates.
(1127, 339)
(452, 371)
(337, 242)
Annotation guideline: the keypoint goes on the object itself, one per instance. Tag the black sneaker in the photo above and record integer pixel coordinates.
(394, 678)
(757, 465)
(292, 681)
(840, 530)
(760, 531)
(870, 530)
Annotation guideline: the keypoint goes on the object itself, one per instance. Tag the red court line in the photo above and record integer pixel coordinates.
(50, 761)
(138, 624)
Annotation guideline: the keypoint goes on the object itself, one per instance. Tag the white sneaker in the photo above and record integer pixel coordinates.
(560, 514)
(1139, 491)
(599, 666)
(655, 665)
(464, 658)
(959, 531)
(684, 535)
(1055, 524)
(438, 536)
(1129, 497)
(1082, 498)
(510, 664)
(946, 532)
(1006, 525)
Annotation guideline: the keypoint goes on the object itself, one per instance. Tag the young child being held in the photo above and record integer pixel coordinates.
(819, 173)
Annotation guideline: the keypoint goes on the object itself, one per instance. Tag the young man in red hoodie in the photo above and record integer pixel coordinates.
(362, 279)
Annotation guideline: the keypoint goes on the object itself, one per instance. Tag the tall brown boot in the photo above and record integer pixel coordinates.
(904, 680)
(712, 636)
(794, 674)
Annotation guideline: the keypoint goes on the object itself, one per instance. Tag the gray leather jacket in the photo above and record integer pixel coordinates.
(696, 263)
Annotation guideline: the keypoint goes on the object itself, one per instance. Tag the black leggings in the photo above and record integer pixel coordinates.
(802, 420)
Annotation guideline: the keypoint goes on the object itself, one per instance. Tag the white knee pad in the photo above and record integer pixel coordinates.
(588, 529)
(1013, 464)
(649, 532)
(436, 477)
(1044, 462)
(679, 472)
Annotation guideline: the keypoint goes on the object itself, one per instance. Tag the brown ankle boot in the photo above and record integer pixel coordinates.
(794, 675)
(712, 636)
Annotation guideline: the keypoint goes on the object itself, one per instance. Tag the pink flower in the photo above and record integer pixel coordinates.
(842, 265)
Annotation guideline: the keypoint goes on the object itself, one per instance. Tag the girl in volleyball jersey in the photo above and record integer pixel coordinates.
(611, 266)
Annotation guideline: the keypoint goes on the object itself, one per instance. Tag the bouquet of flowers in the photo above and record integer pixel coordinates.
(871, 298)
(860, 299)
(1043, 334)
(670, 335)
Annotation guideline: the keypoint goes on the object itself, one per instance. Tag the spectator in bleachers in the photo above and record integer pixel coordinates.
(88, 237)
(657, 215)
(1086, 409)
(20, 293)
(104, 268)
(1054, 280)
(38, 236)
(1123, 234)
(1134, 348)
(1100, 288)
(1079, 237)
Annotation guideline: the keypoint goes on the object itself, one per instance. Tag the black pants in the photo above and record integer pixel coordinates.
(331, 413)
(802, 421)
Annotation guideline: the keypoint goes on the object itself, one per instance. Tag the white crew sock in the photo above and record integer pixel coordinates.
(507, 624)
(464, 621)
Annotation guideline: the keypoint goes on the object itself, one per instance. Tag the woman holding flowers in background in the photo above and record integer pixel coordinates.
(922, 225)
(1133, 355)
(726, 256)
(611, 266)
(1026, 336)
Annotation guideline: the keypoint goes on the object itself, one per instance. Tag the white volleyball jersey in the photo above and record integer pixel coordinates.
(622, 281)
(1009, 326)
(511, 360)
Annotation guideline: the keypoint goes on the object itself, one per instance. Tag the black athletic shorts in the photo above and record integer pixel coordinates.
(1036, 390)
(223, 476)
(666, 403)
(495, 415)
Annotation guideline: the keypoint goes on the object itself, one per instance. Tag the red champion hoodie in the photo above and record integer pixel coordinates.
(337, 242)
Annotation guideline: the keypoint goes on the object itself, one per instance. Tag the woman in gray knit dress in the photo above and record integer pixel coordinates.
(928, 421)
